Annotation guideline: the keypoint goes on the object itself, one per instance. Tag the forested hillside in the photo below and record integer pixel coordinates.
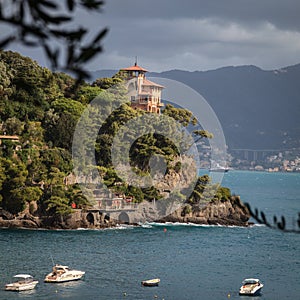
(38, 114)
(41, 108)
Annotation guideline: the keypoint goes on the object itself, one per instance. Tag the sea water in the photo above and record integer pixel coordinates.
(193, 262)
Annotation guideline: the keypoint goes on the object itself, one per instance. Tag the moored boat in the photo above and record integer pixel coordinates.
(219, 169)
(251, 287)
(24, 282)
(62, 273)
(151, 282)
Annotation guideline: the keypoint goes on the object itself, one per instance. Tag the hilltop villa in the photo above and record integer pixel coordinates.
(144, 94)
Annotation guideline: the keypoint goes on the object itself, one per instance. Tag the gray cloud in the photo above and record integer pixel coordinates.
(283, 14)
(197, 34)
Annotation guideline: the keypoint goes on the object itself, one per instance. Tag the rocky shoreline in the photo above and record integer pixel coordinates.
(231, 212)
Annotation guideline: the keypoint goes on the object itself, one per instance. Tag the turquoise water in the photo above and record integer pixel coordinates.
(193, 262)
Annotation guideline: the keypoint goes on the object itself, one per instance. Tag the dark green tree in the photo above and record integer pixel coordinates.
(58, 206)
(13, 183)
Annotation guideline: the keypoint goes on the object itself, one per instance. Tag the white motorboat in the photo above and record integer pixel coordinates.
(24, 282)
(251, 287)
(219, 169)
(62, 273)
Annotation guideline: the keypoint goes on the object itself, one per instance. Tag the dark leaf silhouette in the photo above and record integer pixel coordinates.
(29, 43)
(70, 56)
(6, 41)
(21, 16)
(90, 4)
(48, 4)
(100, 35)
(70, 5)
(52, 55)
(277, 225)
(264, 219)
(281, 225)
(70, 35)
(87, 54)
(42, 23)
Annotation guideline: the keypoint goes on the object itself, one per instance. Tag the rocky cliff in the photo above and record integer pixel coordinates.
(78, 219)
(230, 212)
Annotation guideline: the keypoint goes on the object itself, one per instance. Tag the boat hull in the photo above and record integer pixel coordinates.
(251, 287)
(53, 279)
(62, 273)
(219, 170)
(250, 292)
(18, 287)
(151, 282)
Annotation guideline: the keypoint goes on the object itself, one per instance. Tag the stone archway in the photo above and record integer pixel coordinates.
(107, 217)
(124, 218)
(90, 218)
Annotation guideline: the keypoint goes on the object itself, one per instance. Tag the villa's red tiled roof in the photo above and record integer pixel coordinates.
(151, 83)
(134, 68)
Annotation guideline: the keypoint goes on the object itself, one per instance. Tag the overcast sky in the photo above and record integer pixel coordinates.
(195, 34)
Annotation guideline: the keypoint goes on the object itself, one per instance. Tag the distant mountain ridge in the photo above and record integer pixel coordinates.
(257, 109)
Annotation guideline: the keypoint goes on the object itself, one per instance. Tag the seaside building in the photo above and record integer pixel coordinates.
(144, 94)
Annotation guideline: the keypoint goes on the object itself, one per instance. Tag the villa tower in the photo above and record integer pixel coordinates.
(144, 94)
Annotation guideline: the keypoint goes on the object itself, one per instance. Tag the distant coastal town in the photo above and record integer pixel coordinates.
(265, 160)
(287, 160)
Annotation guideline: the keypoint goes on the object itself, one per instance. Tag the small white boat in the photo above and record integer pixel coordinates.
(219, 169)
(24, 282)
(251, 287)
(62, 273)
(151, 282)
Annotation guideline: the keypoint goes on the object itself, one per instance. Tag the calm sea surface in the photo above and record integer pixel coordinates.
(193, 262)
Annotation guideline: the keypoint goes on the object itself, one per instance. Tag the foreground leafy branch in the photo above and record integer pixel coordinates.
(280, 224)
(41, 24)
